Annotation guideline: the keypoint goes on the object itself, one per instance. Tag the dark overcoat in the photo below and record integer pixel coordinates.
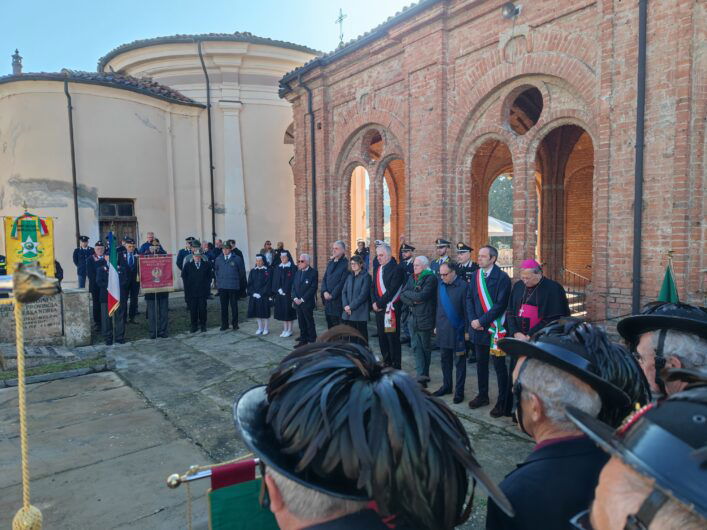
(333, 282)
(259, 282)
(554, 483)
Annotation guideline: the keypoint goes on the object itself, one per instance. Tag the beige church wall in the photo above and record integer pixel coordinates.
(270, 194)
(123, 150)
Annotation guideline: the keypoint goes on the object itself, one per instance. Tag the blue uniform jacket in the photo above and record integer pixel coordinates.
(80, 257)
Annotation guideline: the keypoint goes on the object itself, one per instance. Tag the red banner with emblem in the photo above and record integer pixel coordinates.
(156, 273)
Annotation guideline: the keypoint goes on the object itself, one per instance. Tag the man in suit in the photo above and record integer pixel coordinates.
(129, 262)
(487, 301)
(450, 325)
(386, 287)
(197, 275)
(556, 368)
(304, 290)
(229, 270)
(81, 256)
(92, 265)
(337, 270)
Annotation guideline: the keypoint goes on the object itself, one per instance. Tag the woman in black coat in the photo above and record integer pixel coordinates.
(283, 276)
(356, 296)
(259, 290)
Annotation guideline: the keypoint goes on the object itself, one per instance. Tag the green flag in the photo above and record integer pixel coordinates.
(669, 290)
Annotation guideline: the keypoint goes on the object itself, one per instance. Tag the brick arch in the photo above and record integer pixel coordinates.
(393, 169)
(344, 198)
(563, 231)
(551, 122)
(475, 92)
(374, 118)
(484, 168)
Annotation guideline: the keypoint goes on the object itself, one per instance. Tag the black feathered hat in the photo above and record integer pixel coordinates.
(665, 442)
(335, 420)
(567, 345)
(664, 315)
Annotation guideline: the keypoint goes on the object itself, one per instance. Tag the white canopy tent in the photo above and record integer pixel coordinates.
(498, 228)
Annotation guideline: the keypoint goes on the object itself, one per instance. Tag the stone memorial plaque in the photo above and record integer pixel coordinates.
(42, 321)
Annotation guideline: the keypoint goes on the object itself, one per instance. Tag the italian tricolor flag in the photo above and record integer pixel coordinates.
(113, 278)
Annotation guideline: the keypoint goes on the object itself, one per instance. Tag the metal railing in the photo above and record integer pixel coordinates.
(576, 288)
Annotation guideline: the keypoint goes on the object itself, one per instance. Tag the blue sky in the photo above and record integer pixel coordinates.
(73, 34)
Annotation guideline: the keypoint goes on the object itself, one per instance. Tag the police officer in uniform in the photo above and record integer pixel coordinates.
(92, 265)
(81, 255)
(406, 260)
(443, 247)
(465, 270)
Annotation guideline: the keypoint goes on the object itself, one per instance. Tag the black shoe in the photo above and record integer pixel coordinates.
(223, 328)
(513, 418)
(203, 329)
(404, 340)
(458, 399)
(163, 336)
(441, 392)
(122, 341)
(235, 326)
(153, 337)
(472, 359)
(496, 411)
(298, 339)
(109, 343)
(478, 401)
(193, 329)
(423, 384)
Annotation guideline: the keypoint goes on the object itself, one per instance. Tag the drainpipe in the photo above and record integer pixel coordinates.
(211, 146)
(640, 137)
(70, 110)
(313, 159)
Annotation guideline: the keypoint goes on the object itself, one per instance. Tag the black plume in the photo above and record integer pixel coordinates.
(612, 362)
(348, 418)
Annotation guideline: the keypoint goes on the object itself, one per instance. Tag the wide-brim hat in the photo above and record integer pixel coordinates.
(662, 442)
(249, 413)
(679, 317)
(197, 252)
(227, 245)
(570, 358)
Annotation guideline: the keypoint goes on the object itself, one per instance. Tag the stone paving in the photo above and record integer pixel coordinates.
(193, 380)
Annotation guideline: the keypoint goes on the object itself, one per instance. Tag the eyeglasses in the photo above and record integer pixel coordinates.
(444, 274)
(581, 521)
(302, 261)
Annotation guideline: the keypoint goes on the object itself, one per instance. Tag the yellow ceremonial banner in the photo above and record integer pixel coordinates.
(30, 238)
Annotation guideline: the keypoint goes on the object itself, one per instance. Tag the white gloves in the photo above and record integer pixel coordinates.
(280, 291)
(256, 295)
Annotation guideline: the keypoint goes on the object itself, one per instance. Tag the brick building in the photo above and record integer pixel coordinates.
(447, 95)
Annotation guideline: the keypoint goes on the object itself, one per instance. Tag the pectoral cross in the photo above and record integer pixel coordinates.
(520, 313)
(340, 22)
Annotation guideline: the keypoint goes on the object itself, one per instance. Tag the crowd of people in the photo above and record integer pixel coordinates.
(349, 440)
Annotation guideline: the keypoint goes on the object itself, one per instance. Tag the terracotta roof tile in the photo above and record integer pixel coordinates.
(126, 82)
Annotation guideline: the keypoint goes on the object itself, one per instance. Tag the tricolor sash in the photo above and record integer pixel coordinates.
(389, 321)
(496, 329)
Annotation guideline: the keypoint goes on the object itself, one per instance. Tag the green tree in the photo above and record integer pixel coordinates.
(501, 199)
